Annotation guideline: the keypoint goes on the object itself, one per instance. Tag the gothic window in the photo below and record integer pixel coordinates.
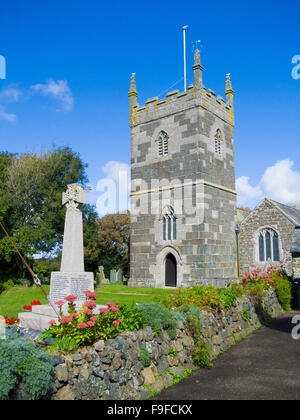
(169, 224)
(268, 246)
(218, 142)
(163, 144)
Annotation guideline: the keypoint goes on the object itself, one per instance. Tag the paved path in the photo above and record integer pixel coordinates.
(263, 366)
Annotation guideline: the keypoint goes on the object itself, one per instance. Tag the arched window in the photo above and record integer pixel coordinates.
(169, 224)
(268, 245)
(163, 144)
(218, 142)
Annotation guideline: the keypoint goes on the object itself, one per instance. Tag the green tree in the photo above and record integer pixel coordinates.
(30, 203)
(110, 244)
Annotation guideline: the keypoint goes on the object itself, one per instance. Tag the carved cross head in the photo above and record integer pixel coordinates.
(74, 195)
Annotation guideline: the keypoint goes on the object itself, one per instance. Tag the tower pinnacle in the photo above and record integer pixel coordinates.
(197, 68)
(132, 96)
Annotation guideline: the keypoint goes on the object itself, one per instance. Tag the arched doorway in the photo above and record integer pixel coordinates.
(170, 271)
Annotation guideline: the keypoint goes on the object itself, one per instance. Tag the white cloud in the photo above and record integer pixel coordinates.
(113, 170)
(11, 94)
(59, 90)
(279, 182)
(6, 116)
(246, 192)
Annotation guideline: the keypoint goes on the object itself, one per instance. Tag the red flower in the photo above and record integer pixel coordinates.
(104, 310)
(88, 312)
(90, 323)
(52, 322)
(65, 319)
(82, 325)
(59, 303)
(90, 304)
(71, 298)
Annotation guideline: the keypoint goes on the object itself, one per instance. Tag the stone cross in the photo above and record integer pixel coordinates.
(72, 254)
(72, 279)
(74, 195)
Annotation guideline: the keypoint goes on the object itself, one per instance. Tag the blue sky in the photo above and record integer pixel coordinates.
(88, 50)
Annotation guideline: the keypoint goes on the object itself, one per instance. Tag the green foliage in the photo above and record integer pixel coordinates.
(283, 288)
(228, 297)
(246, 315)
(202, 354)
(20, 360)
(145, 356)
(8, 284)
(132, 318)
(30, 203)
(192, 309)
(109, 244)
(158, 317)
(64, 344)
(202, 297)
(172, 352)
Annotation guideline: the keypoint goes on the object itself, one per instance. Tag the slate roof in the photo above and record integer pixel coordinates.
(291, 213)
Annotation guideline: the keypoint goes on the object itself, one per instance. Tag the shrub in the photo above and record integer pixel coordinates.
(283, 289)
(145, 356)
(20, 360)
(192, 309)
(228, 297)
(158, 317)
(8, 284)
(202, 297)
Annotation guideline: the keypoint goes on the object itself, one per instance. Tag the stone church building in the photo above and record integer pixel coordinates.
(184, 222)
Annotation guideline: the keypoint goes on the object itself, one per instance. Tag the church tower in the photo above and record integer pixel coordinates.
(183, 199)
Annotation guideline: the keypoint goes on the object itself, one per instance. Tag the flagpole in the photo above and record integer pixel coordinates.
(184, 56)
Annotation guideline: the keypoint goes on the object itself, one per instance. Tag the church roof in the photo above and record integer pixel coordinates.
(291, 213)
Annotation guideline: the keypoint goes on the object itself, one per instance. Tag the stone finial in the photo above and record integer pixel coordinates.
(197, 68)
(228, 84)
(132, 88)
(132, 97)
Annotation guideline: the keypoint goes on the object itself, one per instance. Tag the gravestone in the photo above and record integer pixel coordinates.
(100, 277)
(113, 276)
(119, 275)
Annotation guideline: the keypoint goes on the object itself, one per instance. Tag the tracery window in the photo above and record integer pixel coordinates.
(268, 245)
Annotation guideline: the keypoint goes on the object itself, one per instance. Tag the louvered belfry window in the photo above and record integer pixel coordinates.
(218, 142)
(163, 144)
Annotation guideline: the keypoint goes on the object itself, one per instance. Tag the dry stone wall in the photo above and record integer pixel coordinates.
(112, 370)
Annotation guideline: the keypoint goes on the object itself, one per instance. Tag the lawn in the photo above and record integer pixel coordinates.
(13, 300)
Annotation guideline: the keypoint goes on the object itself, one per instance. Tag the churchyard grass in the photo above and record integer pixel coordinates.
(13, 300)
(121, 288)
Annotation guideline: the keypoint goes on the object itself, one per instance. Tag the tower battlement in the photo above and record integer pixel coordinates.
(177, 101)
